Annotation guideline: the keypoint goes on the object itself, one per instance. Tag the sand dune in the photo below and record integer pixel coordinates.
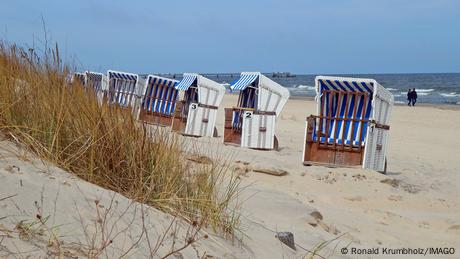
(416, 205)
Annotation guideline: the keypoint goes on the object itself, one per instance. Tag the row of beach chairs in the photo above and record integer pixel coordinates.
(349, 129)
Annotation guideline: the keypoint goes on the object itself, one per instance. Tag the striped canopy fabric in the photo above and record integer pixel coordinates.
(347, 86)
(244, 81)
(186, 82)
(160, 95)
(122, 76)
(339, 99)
(122, 88)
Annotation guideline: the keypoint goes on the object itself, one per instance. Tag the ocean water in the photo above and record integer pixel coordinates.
(431, 88)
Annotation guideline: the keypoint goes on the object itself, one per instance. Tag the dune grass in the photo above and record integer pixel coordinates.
(104, 145)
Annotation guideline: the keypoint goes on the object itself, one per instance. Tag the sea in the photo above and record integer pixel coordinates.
(431, 88)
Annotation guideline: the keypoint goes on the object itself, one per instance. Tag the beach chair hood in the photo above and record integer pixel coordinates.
(271, 96)
(209, 91)
(377, 94)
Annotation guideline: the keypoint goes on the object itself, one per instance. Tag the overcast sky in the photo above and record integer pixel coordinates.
(300, 36)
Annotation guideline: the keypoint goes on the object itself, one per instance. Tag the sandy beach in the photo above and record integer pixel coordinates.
(416, 205)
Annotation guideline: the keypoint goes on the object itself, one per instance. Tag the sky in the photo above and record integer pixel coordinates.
(211, 36)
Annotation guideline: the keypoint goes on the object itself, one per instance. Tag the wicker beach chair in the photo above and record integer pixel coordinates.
(351, 127)
(252, 122)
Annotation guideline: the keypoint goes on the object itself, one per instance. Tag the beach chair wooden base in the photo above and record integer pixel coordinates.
(155, 118)
(331, 154)
(314, 155)
(231, 135)
(310, 163)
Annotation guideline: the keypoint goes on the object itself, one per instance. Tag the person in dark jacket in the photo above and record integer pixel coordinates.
(414, 97)
(409, 97)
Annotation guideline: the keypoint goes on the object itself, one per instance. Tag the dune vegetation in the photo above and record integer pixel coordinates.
(64, 124)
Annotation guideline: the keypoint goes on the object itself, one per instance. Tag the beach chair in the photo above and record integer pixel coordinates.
(98, 82)
(159, 101)
(195, 114)
(252, 122)
(351, 128)
(78, 77)
(125, 90)
(92, 80)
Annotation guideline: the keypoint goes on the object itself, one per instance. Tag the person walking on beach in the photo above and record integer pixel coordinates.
(414, 97)
(409, 97)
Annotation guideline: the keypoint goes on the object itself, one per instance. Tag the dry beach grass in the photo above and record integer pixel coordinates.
(104, 145)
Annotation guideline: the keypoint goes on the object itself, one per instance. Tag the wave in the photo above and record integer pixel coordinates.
(424, 90)
(391, 89)
(308, 87)
(421, 93)
(453, 94)
(397, 95)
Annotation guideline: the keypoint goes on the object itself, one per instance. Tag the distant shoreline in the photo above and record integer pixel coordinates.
(442, 106)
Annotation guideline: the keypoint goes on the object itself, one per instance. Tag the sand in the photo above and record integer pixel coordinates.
(416, 205)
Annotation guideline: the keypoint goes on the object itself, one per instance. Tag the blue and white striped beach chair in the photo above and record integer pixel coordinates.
(123, 89)
(159, 100)
(252, 123)
(98, 83)
(197, 111)
(351, 127)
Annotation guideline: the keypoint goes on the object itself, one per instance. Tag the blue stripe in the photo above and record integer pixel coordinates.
(340, 85)
(158, 103)
(356, 124)
(357, 86)
(173, 107)
(349, 86)
(366, 87)
(153, 93)
(349, 115)
(171, 98)
(341, 115)
(165, 98)
(147, 94)
(331, 84)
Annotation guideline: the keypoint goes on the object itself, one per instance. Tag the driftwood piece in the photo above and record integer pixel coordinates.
(272, 171)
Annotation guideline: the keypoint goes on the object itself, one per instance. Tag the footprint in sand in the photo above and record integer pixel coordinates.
(424, 224)
(359, 177)
(410, 188)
